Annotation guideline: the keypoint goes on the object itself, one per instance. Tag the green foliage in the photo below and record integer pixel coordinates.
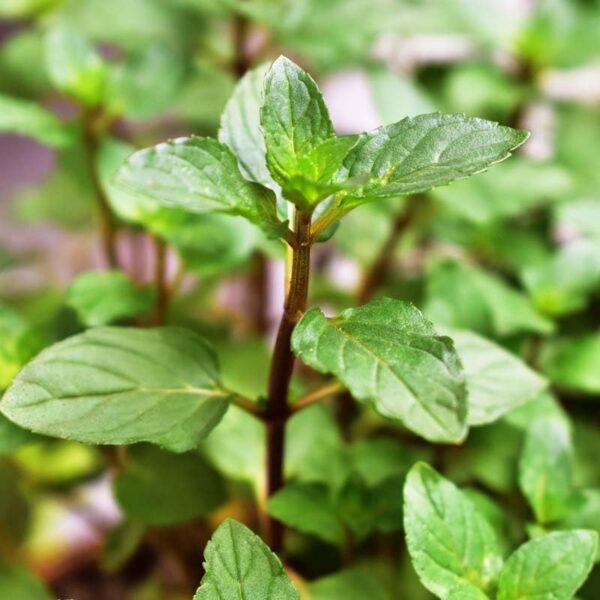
(159, 488)
(386, 353)
(101, 298)
(16, 582)
(156, 385)
(553, 566)
(237, 562)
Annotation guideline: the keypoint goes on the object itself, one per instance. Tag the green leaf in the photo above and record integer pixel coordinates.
(199, 175)
(572, 362)
(356, 583)
(30, 119)
(12, 436)
(545, 469)
(293, 116)
(103, 297)
(308, 507)
(120, 544)
(497, 381)
(14, 513)
(240, 128)
(386, 353)
(449, 541)
(156, 385)
(466, 591)
(551, 567)
(17, 582)
(74, 66)
(239, 564)
(419, 153)
(467, 297)
(563, 283)
(159, 488)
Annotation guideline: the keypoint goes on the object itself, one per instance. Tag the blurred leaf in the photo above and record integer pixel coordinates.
(140, 385)
(22, 68)
(581, 215)
(12, 436)
(103, 297)
(562, 284)
(449, 541)
(386, 353)
(159, 488)
(20, 9)
(586, 514)
(29, 119)
(572, 362)
(237, 562)
(497, 381)
(355, 583)
(511, 189)
(14, 514)
(309, 508)
(74, 66)
(464, 296)
(551, 567)
(545, 469)
(18, 583)
(154, 67)
(120, 544)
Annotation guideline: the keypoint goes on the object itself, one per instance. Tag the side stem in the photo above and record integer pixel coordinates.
(282, 364)
(108, 232)
(160, 282)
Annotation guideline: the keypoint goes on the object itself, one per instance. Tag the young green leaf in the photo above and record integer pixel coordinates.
(387, 353)
(419, 153)
(200, 175)
(103, 297)
(240, 128)
(356, 583)
(74, 66)
(159, 488)
(30, 119)
(545, 469)
(450, 542)
(120, 386)
(294, 118)
(17, 582)
(309, 508)
(238, 564)
(551, 567)
(497, 381)
(466, 591)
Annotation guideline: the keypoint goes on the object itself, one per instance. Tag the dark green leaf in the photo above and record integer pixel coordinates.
(199, 175)
(155, 385)
(551, 567)
(419, 153)
(357, 583)
(159, 488)
(103, 297)
(388, 354)
(449, 541)
(239, 564)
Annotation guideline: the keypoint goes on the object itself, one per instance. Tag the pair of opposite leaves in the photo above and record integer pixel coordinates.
(121, 386)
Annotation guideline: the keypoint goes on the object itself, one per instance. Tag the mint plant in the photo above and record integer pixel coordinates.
(321, 446)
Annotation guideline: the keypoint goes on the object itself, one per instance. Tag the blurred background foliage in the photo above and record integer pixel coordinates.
(513, 255)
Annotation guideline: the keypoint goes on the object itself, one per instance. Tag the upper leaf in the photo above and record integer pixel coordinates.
(74, 66)
(116, 385)
(386, 352)
(27, 118)
(450, 542)
(238, 564)
(200, 175)
(497, 381)
(293, 116)
(545, 468)
(419, 153)
(551, 567)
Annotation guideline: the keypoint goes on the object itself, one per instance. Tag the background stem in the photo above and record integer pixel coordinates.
(160, 281)
(282, 364)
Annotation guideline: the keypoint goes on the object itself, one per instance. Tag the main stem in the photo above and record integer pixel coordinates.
(282, 365)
